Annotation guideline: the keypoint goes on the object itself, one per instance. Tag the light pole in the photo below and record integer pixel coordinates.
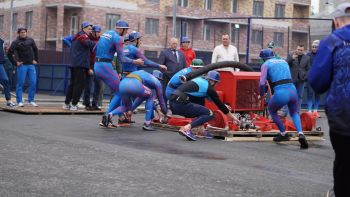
(174, 18)
(11, 20)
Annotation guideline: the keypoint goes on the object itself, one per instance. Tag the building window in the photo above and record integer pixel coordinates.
(111, 20)
(279, 10)
(256, 37)
(74, 24)
(184, 29)
(182, 3)
(29, 19)
(207, 4)
(234, 32)
(1, 23)
(234, 6)
(151, 54)
(207, 32)
(278, 39)
(153, 1)
(258, 8)
(14, 22)
(152, 26)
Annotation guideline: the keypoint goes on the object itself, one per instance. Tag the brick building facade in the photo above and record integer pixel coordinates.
(49, 20)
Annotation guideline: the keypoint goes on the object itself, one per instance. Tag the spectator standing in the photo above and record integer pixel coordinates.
(225, 52)
(299, 65)
(312, 106)
(90, 79)
(80, 65)
(173, 59)
(187, 50)
(9, 67)
(24, 52)
(330, 72)
(3, 76)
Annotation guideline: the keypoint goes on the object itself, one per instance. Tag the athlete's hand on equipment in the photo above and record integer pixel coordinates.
(163, 67)
(228, 107)
(139, 62)
(91, 72)
(233, 118)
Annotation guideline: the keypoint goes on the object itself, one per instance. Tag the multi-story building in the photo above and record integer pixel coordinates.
(203, 21)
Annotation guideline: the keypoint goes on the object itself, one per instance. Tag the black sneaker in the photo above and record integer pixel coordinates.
(148, 128)
(303, 142)
(88, 108)
(125, 122)
(280, 137)
(105, 121)
(95, 108)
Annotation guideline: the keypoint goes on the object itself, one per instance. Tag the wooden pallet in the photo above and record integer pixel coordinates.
(249, 135)
(46, 110)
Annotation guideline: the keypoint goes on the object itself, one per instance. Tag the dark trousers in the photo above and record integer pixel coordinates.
(165, 81)
(87, 91)
(341, 166)
(76, 86)
(192, 110)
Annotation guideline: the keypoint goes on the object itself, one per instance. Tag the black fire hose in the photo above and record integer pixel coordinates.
(209, 67)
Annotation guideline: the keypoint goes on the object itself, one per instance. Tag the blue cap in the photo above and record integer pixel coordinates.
(266, 54)
(185, 39)
(85, 24)
(96, 28)
(214, 75)
(134, 36)
(122, 24)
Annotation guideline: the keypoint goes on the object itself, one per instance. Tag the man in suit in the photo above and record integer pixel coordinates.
(174, 59)
(299, 65)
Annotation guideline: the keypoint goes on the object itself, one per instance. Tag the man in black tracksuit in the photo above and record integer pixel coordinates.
(24, 53)
(80, 58)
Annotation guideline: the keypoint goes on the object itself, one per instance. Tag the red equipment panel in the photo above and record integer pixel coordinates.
(240, 90)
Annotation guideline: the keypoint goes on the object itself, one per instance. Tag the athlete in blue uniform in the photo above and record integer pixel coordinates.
(277, 72)
(132, 51)
(139, 85)
(109, 43)
(175, 81)
(196, 89)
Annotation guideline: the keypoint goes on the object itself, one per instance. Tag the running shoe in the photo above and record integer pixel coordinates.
(33, 104)
(10, 104)
(148, 128)
(303, 142)
(280, 137)
(189, 135)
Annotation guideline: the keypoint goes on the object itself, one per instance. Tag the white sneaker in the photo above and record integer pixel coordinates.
(65, 106)
(20, 104)
(79, 105)
(10, 104)
(73, 108)
(33, 104)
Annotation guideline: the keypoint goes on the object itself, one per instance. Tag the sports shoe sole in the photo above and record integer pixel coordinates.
(188, 136)
(147, 129)
(303, 143)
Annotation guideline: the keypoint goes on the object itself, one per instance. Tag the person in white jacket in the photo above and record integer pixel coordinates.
(225, 52)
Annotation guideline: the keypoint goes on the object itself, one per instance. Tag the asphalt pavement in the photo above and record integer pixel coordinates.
(70, 155)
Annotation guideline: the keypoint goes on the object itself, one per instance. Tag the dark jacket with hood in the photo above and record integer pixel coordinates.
(80, 50)
(23, 50)
(331, 71)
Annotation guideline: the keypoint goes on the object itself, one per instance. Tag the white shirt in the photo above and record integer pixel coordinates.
(222, 53)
